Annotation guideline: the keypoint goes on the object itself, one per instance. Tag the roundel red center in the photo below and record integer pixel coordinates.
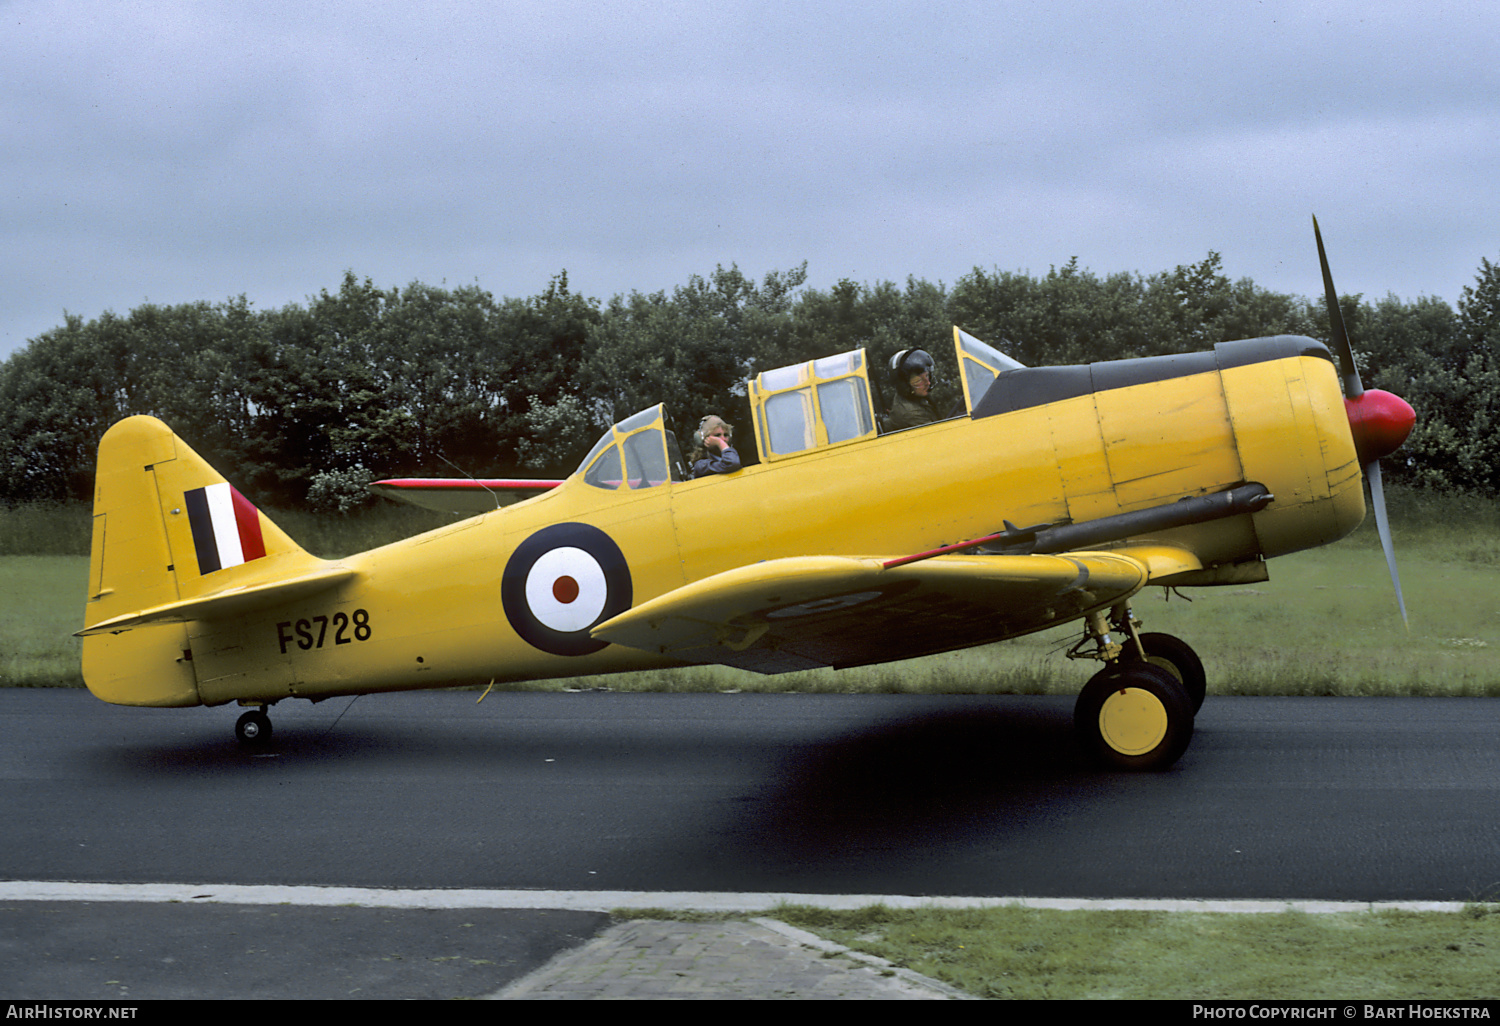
(565, 589)
(559, 583)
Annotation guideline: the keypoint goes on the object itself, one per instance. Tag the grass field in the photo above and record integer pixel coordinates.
(1325, 624)
(41, 605)
(1033, 953)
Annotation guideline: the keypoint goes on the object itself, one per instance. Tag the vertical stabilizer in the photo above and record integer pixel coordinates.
(167, 528)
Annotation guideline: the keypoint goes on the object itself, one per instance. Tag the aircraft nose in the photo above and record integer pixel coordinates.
(1380, 422)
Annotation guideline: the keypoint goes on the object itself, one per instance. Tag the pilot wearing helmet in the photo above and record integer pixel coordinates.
(911, 379)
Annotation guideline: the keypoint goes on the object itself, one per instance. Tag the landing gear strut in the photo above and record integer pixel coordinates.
(254, 728)
(1137, 712)
(1174, 656)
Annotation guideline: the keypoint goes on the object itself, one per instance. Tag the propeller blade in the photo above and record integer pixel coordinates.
(1353, 388)
(1379, 421)
(1383, 525)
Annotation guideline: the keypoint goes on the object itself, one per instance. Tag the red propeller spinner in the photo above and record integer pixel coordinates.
(1380, 422)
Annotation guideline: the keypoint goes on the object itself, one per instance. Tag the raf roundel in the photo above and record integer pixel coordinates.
(562, 581)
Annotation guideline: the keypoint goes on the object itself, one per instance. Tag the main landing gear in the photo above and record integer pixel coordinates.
(254, 728)
(1137, 712)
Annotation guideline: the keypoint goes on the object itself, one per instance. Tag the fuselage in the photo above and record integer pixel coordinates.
(1044, 446)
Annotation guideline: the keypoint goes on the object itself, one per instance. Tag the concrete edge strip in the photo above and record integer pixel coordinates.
(560, 965)
(675, 901)
(879, 965)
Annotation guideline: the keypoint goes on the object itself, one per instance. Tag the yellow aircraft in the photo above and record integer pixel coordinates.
(844, 546)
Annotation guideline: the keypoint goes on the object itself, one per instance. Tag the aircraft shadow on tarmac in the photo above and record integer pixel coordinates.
(931, 780)
(906, 783)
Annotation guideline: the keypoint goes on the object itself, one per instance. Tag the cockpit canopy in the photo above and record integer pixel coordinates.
(979, 365)
(805, 406)
(638, 452)
(810, 405)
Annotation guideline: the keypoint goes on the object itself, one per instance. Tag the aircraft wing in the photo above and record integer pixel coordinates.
(460, 494)
(794, 614)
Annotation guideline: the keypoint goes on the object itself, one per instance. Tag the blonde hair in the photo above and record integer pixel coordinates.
(705, 427)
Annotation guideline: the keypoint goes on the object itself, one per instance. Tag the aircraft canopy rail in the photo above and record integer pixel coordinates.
(979, 365)
(812, 405)
(638, 452)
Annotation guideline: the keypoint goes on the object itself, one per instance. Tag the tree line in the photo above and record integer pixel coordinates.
(303, 405)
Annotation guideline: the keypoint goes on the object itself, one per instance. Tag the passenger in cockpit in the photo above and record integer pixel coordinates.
(713, 448)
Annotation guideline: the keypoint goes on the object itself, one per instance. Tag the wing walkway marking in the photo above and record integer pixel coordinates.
(680, 901)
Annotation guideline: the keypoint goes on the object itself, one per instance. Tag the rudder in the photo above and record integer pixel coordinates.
(167, 529)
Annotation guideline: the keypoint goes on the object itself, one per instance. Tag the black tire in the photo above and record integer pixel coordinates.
(1134, 716)
(253, 728)
(1176, 657)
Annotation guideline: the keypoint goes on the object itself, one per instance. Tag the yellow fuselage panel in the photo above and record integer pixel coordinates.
(1081, 466)
(1167, 439)
(148, 666)
(1293, 436)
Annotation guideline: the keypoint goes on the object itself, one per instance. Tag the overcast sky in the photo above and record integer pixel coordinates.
(168, 152)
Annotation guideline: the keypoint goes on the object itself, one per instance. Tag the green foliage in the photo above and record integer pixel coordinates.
(340, 491)
(1445, 365)
(883, 320)
(555, 433)
(358, 530)
(45, 529)
(695, 349)
(290, 404)
(1073, 316)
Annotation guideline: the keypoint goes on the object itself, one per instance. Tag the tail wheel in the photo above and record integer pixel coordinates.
(253, 728)
(1134, 716)
(1176, 657)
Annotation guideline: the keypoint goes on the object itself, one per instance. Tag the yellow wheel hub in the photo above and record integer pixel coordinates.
(1132, 721)
(1166, 664)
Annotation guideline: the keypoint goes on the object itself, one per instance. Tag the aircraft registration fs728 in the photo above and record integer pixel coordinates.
(1057, 495)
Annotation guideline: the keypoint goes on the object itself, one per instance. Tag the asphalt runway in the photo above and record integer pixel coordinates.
(130, 952)
(1297, 798)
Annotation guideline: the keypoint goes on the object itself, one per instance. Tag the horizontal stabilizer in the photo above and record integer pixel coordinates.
(235, 601)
